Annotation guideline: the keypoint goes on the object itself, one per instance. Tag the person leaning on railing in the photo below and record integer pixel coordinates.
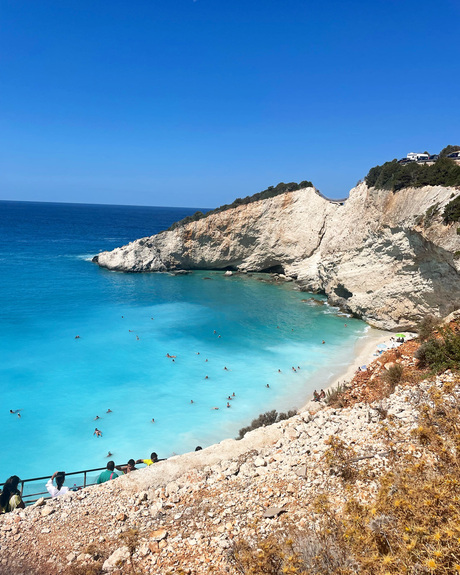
(10, 497)
(108, 473)
(60, 488)
(153, 459)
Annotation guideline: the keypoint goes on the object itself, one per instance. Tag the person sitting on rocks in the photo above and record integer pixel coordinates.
(322, 394)
(60, 488)
(108, 473)
(10, 498)
(316, 396)
(130, 466)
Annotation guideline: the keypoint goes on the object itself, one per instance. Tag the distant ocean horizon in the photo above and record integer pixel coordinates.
(77, 341)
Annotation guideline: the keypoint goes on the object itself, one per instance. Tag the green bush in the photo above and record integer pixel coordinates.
(427, 326)
(448, 150)
(452, 211)
(441, 353)
(394, 176)
(393, 376)
(264, 419)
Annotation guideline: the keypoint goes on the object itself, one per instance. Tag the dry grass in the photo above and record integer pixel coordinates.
(411, 526)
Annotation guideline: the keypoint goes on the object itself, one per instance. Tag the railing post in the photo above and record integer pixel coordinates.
(22, 487)
(84, 479)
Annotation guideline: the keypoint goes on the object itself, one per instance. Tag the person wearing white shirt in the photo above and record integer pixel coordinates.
(60, 488)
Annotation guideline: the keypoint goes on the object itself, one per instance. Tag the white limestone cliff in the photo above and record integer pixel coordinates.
(379, 255)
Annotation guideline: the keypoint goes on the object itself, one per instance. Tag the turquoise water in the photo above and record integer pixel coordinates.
(127, 323)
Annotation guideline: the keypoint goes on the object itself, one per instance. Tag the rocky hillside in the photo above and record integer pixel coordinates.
(386, 257)
(287, 496)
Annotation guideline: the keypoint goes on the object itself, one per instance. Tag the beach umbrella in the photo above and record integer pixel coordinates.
(400, 335)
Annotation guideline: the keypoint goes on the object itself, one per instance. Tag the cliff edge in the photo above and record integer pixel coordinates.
(385, 257)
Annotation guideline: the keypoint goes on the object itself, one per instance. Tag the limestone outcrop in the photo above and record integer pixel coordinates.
(383, 256)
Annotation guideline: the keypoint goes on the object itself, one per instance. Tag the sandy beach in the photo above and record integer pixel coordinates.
(366, 351)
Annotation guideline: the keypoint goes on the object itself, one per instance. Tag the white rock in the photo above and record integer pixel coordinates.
(116, 560)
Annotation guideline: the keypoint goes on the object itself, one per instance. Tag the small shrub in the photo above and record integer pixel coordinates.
(393, 376)
(441, 353)
(334, 395)
(427, 326)
(452, 211)
(341, 458)
(264, 419)
(269, 557)
(431, 213)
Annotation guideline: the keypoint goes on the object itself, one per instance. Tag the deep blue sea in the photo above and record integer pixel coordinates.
(50, 292)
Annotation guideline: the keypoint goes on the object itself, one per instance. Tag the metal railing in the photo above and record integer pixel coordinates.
(27, 497)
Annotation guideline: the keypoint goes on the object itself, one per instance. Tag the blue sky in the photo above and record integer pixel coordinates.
(195, 103)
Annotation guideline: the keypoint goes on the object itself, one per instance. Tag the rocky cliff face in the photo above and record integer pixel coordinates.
(386, 257)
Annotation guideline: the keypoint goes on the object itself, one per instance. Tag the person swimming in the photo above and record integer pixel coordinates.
(97, 432)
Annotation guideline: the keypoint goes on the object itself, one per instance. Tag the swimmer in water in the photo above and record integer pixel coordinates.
(97, 417)
(77, 337)
(215, 408)
(267, 385)
(19, 416)
(191, 401)
(152, 420)
(109, 410)
(206, 377)
(323, 341)
(97, 432)
(228, 404)
(109, 454)
(233, 394)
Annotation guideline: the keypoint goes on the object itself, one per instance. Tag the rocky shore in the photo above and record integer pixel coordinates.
(386, 257)
(188, 514)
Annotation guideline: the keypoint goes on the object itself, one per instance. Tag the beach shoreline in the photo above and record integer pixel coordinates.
(365, 352)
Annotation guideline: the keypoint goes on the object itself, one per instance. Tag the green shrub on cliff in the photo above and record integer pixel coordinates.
(448, 150)
(452, 211)
(442, 352)
(270, 192)
(394, 176)
(264, 419)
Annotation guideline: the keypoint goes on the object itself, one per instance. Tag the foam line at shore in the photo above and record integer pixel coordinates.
(366, 351)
